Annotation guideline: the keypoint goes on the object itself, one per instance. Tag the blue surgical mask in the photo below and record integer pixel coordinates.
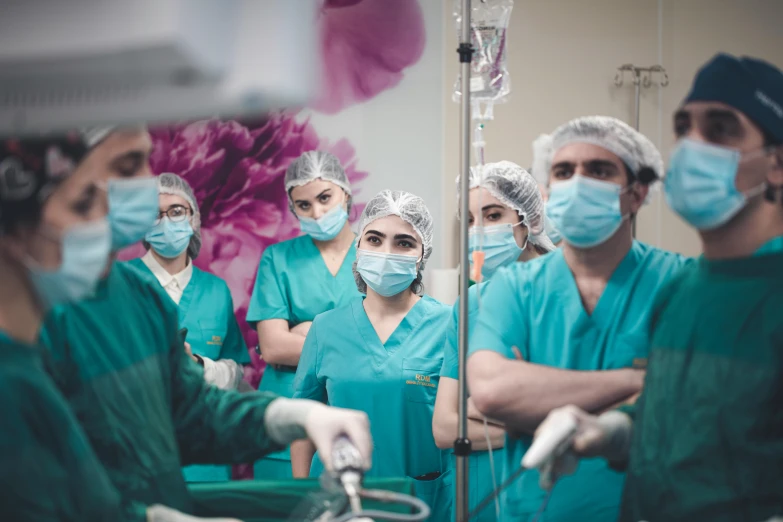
(499, 246)
(700, 184)
(85, 255)
(170, 239)
(584, 210)
(326, 227)
(133, 209)
(551, 231)
(386, 274)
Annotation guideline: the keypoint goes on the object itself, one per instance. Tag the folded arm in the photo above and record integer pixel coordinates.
(445, 421)
(278, 343)
(521, 394)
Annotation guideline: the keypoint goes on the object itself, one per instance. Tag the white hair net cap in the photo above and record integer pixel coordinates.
(515, 188)
(632, 147)
(316, 164)
(169, 183)
(409, 208)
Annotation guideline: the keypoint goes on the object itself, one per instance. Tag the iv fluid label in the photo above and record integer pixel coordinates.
(476, 84)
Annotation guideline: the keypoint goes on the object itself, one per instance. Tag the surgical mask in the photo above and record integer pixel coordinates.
(551, 231)
(326, 227)
(133, 209)
(85, 254)
(170, 239)
(700, 184)
(386, 274)
(585, 211)
(499, 246)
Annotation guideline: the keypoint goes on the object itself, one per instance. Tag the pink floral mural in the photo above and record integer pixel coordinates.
(365, 46)
(236, 168)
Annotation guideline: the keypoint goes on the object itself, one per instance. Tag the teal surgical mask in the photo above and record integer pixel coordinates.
(85, 255)
(133, 209)
(551, 231)
(386, 274)
(498, 244)
(700, 184)
(326, 227)
(169, 238)
(585, 211)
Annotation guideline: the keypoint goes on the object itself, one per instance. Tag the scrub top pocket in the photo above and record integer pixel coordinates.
(420, 378)
(213, 334)
(629, 351)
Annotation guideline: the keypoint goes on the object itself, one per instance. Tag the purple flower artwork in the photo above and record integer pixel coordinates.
(236, 168)
(365, 47)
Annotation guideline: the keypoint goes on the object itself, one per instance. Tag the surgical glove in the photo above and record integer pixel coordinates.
(607, 435)
(288, 420)
(158, 513)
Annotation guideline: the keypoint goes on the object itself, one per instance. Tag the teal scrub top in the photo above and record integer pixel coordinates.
(143, 403)
(207, 311)
(344, 364)
(48, 471)
(481, 468)
(536, 307)
(294, 284)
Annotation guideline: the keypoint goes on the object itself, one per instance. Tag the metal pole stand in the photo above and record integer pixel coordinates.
(462, 446)
(642, 77)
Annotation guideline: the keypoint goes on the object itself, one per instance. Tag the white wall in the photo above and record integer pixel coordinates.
(563, 55)
(398, 135)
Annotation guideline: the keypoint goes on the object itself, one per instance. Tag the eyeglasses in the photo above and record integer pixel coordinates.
(175, 213)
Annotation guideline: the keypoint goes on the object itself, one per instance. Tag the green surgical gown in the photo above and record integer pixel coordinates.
(345, 364)
(48, 472)
(480, 467)
(207, 311)
(708, 431)
(141, 400)
(536, 307)
(294, 284)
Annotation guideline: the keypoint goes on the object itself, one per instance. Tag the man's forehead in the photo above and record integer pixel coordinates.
(579, 152)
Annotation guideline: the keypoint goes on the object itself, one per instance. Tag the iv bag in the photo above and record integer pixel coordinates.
(490, 81)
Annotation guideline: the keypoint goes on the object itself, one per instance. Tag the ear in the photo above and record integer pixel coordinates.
(13, 246)
(639, 195)
(775, 173)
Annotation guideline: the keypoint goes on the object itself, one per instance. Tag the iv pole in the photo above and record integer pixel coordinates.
(462, 445)
(642, 77)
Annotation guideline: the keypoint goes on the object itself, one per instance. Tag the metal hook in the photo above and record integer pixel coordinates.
(647, 81)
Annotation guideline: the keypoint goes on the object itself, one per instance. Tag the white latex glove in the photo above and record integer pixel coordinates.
(607, 435)
(288, 420)
(158, 513)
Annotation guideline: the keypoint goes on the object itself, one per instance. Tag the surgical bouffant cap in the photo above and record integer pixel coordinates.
(752, 86)
(169, 183)
(30, 170)
(316, 164)
(410, 209)
(516, 189)
(632, 147)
